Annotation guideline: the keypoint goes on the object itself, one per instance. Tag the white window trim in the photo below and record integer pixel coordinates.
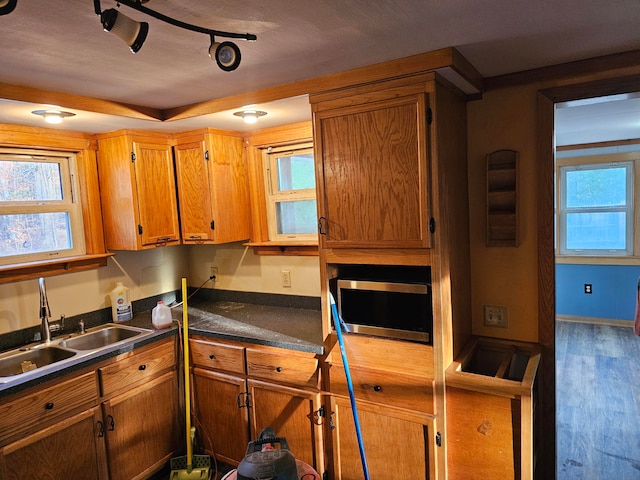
(578, 163)
(70, 203)
(273, 196)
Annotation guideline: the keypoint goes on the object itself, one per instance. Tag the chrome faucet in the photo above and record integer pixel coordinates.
(45, 313)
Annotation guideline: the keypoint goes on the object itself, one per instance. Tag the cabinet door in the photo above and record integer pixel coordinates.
(193, 190)
(397, 444)
(72, 448)
(221, 414)
(155, 184)
(293, 414)
(143, 429)
(229, 189)
(372, 175)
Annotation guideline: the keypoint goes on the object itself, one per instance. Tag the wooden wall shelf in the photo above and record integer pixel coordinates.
(502, 199)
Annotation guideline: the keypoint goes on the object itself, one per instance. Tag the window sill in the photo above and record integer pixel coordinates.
(596, 260)
(284, 248)
(25, 271)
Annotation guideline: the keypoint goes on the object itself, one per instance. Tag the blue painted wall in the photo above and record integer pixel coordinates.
(614, 290)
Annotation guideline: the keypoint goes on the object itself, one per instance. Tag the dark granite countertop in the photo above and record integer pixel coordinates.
(273, 325)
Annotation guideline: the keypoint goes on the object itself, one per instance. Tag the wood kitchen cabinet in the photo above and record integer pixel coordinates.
(141, 411)
(213, 187)
(240, 389)
(372, 156)
(137, 190)
(112, 421)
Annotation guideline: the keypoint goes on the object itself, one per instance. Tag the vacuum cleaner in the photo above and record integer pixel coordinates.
(263, 461)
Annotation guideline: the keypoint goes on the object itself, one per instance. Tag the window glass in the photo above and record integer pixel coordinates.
(291, 195)
(39, 217)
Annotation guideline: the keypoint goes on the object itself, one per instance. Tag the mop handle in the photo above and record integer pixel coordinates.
(338, 324)
(187, 393)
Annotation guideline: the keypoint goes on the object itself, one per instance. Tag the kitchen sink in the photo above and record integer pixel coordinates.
(16, 363)
(103, 337)
(30, 360)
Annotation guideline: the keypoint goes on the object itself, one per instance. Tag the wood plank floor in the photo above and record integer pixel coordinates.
(598, 402)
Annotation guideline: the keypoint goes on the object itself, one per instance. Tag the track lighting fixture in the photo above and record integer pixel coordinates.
(53, 116)
(225, 54)
(250, 116)
(7, 6)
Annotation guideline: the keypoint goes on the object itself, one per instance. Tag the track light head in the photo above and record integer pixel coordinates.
(226, 55)
(7, 6)
(131, 32)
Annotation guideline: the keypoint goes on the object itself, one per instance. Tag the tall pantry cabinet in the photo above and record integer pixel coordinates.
(391, 179)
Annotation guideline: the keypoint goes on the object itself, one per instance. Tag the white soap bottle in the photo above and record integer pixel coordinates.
(161, 316)
(121, 309)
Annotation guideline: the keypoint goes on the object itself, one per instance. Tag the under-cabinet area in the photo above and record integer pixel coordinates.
(119, 419)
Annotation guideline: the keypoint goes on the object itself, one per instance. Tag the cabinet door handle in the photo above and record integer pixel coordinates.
(112, 423)
(278, 369)
(49, 406)
(100, 429)
(142, 367)
(377, 388)
(322, 225)
(212, 356)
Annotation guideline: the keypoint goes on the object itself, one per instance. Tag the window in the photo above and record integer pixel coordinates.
(291, 194)
(596, 209)
(40, 218)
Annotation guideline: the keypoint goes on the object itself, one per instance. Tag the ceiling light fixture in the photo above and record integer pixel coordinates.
(53, 116)
(7, 6)
(133, 33)
(250, 116)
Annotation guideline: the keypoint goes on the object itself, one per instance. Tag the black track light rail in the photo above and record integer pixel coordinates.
(137, 5)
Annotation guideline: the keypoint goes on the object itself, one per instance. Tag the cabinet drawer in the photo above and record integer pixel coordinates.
(49, 404)
(281, 366)
(218, 356)
(136, 369)
(406, 391)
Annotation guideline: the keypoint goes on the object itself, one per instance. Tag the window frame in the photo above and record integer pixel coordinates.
(70, 204)
(575, 163)
(273, 195)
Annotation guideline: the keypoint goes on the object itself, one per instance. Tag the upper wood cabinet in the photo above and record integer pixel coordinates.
(137, 188)
(372, 167)
(213, 187)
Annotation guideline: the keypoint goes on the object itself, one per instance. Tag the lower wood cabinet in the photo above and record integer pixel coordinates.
(65, 429)
(398, 443)
(142, 429)
(72, 448)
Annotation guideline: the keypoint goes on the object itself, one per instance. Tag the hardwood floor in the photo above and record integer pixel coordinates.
(598, 402)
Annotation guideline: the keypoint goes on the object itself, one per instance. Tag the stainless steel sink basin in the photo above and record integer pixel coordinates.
(103, 337)
(20, 362)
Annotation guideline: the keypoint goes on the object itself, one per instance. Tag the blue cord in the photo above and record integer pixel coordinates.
(339, 325)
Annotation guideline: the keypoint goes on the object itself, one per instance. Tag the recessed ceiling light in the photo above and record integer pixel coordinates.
(53, 116)
(250, 116)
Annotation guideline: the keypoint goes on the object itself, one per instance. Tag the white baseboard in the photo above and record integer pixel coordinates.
(594, 320)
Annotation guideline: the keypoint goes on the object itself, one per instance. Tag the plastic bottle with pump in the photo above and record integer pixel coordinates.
(161, 316)
(121, 304)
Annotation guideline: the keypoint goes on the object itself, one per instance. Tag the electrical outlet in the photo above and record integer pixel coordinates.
(213, 273)
(588, 288)
(286, 278)
(495, 316)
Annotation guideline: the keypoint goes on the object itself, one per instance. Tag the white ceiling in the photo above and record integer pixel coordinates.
(59, 45)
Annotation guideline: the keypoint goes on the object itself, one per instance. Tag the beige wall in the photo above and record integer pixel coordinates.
(504, 276)
(146, 273)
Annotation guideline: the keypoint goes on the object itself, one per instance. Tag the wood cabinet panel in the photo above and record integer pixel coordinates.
(396, 444)
(372, 158)
(293, 414)
(193, 186)
(27, 413)
(71, 449)
(136, 369)
(217, 356)
(142, 428)
(280, 366)
(220, 410)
